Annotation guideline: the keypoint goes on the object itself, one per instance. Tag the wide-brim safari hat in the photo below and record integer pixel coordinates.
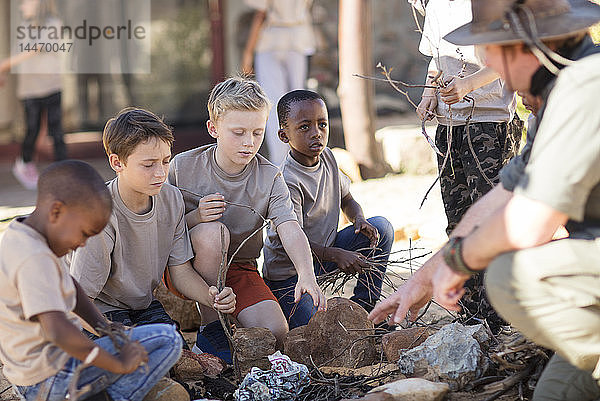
(550, 19)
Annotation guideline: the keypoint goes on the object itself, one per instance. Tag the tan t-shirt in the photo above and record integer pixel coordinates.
(32, 281)
(260, 185)
(121, 266)
(316, 193)
(564, 168)
(288, 26)
(40, 75)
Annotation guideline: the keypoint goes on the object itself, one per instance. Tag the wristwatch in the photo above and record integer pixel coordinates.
(452, 253)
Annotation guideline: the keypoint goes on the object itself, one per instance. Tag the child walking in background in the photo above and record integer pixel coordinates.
(319, 190)
(39, 87)
(41, 343)
(228, 187)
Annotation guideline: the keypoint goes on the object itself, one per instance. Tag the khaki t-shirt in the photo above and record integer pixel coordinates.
(288, 26)
(121, 266)
(40, 75)
(32, 281)
(317, 194)
(260, 185)
(564, 168)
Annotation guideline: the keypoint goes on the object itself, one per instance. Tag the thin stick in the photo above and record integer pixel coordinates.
(224, 319)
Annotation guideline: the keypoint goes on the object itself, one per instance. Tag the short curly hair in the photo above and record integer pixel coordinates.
(284, 104)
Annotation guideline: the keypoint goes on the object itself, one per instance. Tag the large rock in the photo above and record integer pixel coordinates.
(397, 341)
(180, 310)
(253, 345)
(335, 337)
(412, 389)
(191, 366)
(167, 390)
(452, 355)
(296, 347)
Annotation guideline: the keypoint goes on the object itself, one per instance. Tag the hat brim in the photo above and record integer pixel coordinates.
(578, 19)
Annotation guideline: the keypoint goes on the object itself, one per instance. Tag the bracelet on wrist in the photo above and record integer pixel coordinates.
(452, 253)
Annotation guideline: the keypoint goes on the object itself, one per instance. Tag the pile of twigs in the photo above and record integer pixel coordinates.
(516, 361)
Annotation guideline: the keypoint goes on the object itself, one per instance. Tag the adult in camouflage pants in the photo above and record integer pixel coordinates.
(463, 182)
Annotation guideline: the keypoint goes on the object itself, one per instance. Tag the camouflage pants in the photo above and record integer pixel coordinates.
(463, 183)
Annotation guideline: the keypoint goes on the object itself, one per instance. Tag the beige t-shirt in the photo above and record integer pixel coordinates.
(260, 185)
(316, 193)
(493, 102)
(33, 280)
(40, 75)
(121, 266)
(564, 168)
(288, 26)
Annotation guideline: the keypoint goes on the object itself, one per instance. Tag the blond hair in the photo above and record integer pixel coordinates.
(236, 93)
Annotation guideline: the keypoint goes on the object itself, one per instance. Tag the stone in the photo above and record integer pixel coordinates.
(296, 347)
(338, 336)
(253, 345)
(388, 372)
(412, 389)
(182, 311)
(347, 164)
(452, 355)
(167, 390)
(396, 341)
(191, 366)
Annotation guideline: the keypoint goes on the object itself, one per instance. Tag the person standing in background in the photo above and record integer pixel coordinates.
(39, 87)
(280, 40)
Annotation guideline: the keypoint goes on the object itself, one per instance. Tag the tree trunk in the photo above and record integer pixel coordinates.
(356, 94)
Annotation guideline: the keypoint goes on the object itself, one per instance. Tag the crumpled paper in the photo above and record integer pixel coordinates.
(283, 382)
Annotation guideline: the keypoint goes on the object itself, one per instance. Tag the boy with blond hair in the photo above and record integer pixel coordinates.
(319, 190)
(146, 233)
(220, 183)
(41, 343)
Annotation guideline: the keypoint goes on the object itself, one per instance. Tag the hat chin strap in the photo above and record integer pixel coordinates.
(537, 47)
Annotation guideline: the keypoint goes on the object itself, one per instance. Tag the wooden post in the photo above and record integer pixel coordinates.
(217, 41)
(356, 94)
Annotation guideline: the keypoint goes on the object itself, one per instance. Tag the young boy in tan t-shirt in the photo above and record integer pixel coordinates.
(146, 233)
(319, 191)
(41, 343)
(219, 183)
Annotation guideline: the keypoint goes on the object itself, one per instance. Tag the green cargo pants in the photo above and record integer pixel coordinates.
(551, 293)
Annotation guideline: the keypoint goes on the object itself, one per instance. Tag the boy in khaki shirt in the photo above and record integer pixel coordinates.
(319, 190)
(146, 233)
(219, 184)
(41, 343)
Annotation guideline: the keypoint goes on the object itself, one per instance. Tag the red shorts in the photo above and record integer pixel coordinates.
(243, 278)
(248, 286)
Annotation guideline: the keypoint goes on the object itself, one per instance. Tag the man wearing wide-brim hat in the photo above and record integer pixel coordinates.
(549, 290)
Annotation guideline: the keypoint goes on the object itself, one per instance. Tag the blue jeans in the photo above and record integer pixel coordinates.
(368, 287)
(163, 344)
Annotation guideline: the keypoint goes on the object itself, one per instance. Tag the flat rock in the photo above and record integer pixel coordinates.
(253, 345)
(411, 389)
(180, 310)
(191, 366)
(167, 390)
(393, 343)
(452, 355)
